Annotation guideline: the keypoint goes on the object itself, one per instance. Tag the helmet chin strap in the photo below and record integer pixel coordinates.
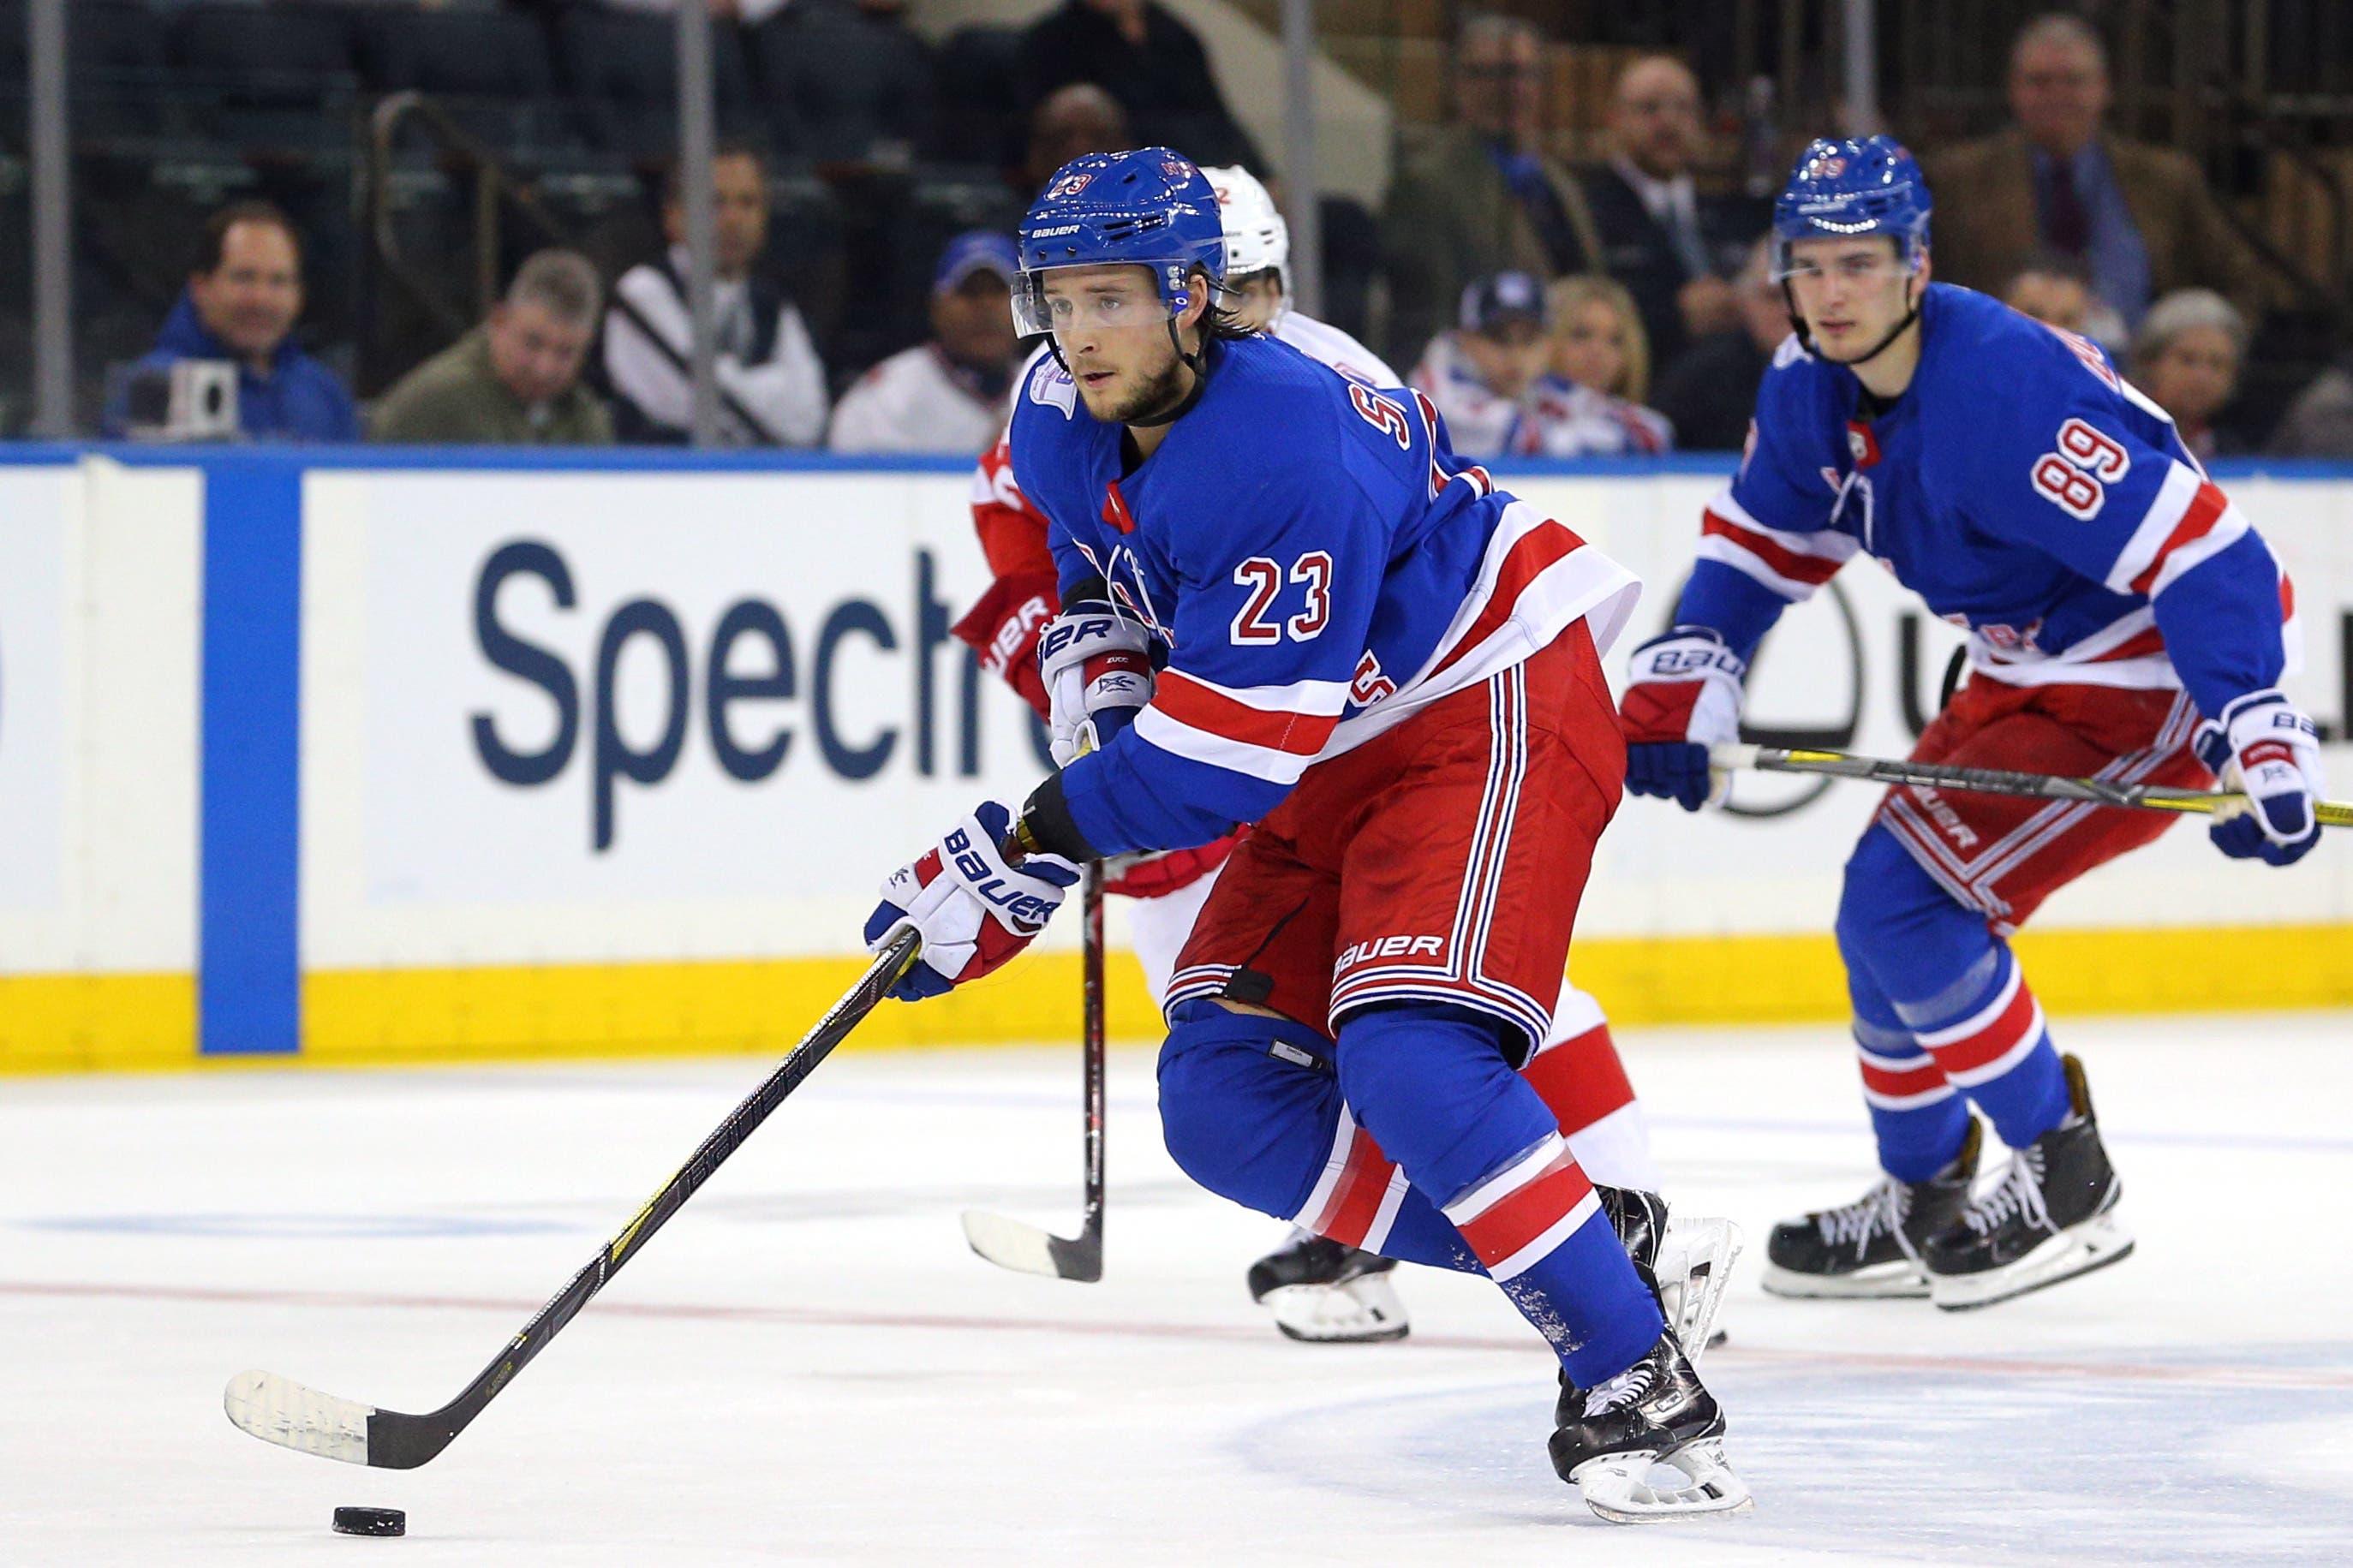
(1806, 338)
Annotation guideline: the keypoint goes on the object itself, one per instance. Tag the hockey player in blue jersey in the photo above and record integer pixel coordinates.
(1284, 604)
(2124, 621)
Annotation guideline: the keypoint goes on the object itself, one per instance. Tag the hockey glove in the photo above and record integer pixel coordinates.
(973, 910)
(1097, 665)
(2269, 748)
(1683, 697)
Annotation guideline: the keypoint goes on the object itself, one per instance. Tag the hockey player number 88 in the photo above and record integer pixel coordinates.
(2072, 476)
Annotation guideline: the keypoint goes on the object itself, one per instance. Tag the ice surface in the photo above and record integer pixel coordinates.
(809, 1365)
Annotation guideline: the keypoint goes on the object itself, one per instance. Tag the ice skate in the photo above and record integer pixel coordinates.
(1685, 1262)
(1647, 1445)
(2051, 1217)
(1325, 1293)
(1872, 1247)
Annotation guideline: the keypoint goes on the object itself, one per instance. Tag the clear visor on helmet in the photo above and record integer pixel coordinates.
(1855, 262)
(1094, 298)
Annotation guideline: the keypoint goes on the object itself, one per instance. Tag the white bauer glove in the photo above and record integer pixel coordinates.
(2265, 745)
(973, 910)
(1682, 698)
(1097, 667)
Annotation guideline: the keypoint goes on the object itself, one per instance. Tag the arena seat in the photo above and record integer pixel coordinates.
(620, 74)
(489, 68)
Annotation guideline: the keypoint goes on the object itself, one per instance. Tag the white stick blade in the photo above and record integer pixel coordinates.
(280, 1410)
(1010, 1244)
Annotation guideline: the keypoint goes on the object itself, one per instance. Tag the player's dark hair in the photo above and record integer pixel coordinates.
(214, 242)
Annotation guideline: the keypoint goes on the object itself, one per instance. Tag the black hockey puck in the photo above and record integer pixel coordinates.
(371, 1522)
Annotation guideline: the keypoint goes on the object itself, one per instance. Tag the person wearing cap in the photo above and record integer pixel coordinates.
(1490, 378)
(946, 394)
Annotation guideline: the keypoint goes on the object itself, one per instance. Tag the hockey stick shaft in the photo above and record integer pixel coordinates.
(1997, 781)
(1091, 965)
(299, 1418)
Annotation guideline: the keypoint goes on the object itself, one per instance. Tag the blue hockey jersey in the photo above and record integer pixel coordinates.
(2023, 490)
(1317, 565)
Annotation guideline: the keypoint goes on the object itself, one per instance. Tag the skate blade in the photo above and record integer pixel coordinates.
(1900, 1280)
(1694, 1270)
(1365, 1311)
(2079, 1249)
(1647, 1487)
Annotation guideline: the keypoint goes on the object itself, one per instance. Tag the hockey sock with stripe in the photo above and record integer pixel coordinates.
(1431, 1084)
(1917, 1118)
(1952, 986)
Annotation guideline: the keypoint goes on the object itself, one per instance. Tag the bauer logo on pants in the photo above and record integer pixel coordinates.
(1378, 947)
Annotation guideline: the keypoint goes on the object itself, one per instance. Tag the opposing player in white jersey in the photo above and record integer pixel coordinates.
(1317, 1289)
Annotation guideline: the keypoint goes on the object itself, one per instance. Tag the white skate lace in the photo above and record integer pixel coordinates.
(1882, 1208)
(2020, 1192)
(1629, 1388)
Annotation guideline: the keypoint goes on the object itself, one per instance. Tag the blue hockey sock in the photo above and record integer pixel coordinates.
(1919, 1120)
(1431, 1085)
(1953, 987)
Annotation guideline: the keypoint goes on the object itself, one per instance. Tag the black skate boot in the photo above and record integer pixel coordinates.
(1872, 1247)
(1325, 1293)
(2051, 1217)
(1647, 1443)
(1686, 1266)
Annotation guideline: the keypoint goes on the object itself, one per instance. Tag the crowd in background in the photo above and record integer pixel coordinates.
(1624, 307)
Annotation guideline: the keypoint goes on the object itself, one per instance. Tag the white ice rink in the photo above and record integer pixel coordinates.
(808, 1365)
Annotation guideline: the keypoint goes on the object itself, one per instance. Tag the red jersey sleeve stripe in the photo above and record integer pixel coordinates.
(1193, 704)
(2205, 509)
(1811, 570)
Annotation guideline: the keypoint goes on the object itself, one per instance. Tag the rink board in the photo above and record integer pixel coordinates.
(362, 757)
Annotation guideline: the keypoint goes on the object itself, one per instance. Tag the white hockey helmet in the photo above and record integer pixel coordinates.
(1256, 238)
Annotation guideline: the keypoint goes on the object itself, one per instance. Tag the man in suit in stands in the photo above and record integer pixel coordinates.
(2138, 218)
(1481, 194)
(1672, 247)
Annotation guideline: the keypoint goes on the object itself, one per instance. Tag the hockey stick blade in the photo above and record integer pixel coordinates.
(280, 1411)
(1026, 1249)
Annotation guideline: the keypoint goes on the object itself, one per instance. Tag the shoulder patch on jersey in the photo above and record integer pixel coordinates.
(1051, 385)
(1790, 352)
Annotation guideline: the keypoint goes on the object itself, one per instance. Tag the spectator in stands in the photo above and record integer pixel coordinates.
(948, 394)
(2185, 357)
(2138, 218)
(1599, 348)
(515, 379)
(1481, 195)
(1149, 60)
(1710, 393)
(771, 384)
(241, 305)
(2053, 291)
(1672, 247)
(1070, 122)
(2319, 423)
(1489, 379)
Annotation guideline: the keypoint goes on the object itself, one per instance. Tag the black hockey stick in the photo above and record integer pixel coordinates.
(1008, 1242)
(1997, 781)
(279, 1410)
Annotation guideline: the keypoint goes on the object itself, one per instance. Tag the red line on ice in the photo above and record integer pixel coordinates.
(1252, 1333)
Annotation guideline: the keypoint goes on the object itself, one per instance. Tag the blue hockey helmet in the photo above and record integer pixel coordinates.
(1845, 187)
(1151, 207)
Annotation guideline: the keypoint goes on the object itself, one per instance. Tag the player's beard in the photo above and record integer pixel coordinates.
(1156, 395)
